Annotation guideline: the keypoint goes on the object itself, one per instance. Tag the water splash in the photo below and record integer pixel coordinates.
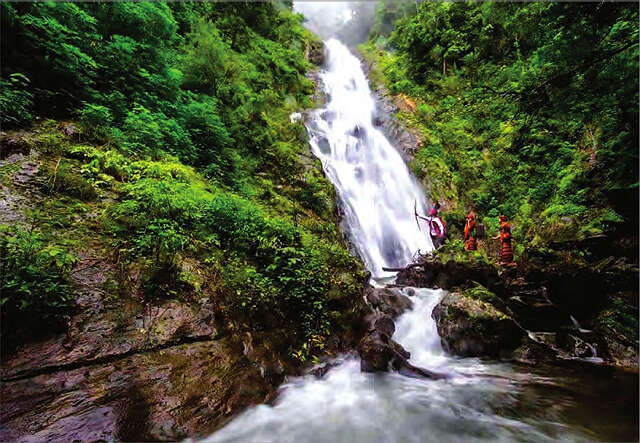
(347, 405)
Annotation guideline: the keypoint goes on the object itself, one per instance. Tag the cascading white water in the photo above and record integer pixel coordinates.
(347, 405)
(377, 191)
(350, 406)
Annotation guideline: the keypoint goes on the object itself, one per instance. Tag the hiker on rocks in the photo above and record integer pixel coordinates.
(437, 227)
(506, 252)
(470, 233)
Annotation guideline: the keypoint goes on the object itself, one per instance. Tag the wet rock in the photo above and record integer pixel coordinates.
(408, 370)
(169, 394)
(543, 294)
(379, 353)
(22, 194)
(620, 351)
(552, 347)
(71, 131)
(533, 352)
(377, 350)
(315, 53)
(469, 327)
(533, 308)
(384, 325)
(449, 275)
(320, 370)
(13, 145)
(407, 141)
(95, 337)
(390, 301)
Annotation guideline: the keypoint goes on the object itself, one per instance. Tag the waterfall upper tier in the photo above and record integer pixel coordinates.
(376, 189)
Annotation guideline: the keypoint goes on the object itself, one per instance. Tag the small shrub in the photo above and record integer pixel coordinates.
(95, 120)
(15, 101)
(35, 291)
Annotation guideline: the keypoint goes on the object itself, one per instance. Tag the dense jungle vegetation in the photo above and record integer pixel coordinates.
(182, 165)
(167, 146)
(526, 109)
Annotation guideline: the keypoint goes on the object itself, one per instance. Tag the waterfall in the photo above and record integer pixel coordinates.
(374, 185)
(346, 405)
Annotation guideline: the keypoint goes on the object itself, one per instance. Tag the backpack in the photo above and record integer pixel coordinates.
(437, 227)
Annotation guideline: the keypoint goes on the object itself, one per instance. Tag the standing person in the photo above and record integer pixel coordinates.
(506, 252)
(437, 228)
(470, 234)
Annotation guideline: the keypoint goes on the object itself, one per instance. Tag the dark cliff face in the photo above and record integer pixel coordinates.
(404, 139)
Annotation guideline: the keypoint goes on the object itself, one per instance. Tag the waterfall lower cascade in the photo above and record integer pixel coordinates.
(346, 405)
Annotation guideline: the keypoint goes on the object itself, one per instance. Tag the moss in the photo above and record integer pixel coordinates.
(49, 139)
(7, 173)
(622, 319)
(479, 292)
(66, 179)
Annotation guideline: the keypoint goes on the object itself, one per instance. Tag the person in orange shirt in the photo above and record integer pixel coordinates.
(470, 234)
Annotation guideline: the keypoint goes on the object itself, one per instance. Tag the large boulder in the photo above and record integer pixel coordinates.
(470, 327)
(389, 301)
(379, 353)
(377, 350)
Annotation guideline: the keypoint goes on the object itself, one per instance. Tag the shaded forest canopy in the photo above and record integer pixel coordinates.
(526, 109)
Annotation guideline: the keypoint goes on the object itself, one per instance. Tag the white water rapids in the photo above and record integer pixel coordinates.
(346, 405)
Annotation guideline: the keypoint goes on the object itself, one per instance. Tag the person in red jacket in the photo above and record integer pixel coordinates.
(470, 234)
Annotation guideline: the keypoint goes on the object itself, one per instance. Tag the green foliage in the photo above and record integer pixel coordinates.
(276, 273)
(622, 319)
(206, 85)
(50, 140)
(524, 109)
(95, 120)
(479, 292)
(15, 101)
(152, 133)
(159, 86)
(35, 293)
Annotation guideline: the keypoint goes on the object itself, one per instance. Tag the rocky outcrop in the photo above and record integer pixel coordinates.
(378, 351)
(471, 328)
(164, 394)
(582, 309)
(389, 301)
(406, 140)
(164, 373)
(13, 145)
(387, 106)
(315, 53)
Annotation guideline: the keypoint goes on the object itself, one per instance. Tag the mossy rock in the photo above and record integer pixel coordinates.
(472, 327)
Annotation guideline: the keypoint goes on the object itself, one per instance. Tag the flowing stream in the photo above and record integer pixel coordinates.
(481, 401)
